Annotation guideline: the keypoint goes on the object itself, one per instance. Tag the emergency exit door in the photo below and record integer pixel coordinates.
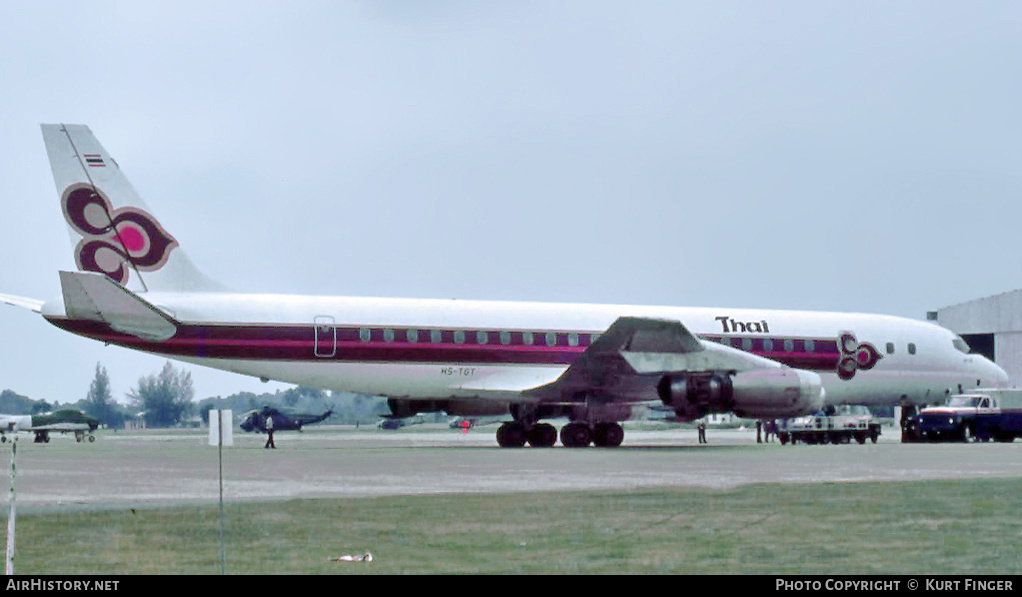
(325, 345)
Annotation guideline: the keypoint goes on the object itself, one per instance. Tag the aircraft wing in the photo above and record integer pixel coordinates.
(20, 301)
(653, 360)
(66, 426)
(631, 347)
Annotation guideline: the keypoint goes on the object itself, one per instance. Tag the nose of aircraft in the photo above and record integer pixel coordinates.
(998, 377)
(987, 374)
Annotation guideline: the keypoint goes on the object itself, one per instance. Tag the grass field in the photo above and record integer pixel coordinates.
(935, 527)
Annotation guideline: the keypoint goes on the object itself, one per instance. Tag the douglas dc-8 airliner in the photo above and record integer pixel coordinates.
(595, 365)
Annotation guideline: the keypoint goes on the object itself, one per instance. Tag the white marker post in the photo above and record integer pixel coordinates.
(9, 568)
(221, 433)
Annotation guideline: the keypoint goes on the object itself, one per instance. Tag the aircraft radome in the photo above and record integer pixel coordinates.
(596, 365)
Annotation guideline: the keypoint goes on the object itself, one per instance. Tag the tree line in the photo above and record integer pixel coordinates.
(166, 399)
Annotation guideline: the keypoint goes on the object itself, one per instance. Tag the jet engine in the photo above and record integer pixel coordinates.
(758, 394)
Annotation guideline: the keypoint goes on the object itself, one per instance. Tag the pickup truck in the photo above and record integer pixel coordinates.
(980, 415)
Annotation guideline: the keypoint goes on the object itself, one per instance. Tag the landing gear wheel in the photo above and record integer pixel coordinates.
(511, 435)
(542, 435)
(608, 435)
(967, 436)
(575, 435)
(92, 438)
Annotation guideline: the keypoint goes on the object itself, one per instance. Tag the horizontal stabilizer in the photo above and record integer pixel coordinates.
(20, 301)
(98, 298)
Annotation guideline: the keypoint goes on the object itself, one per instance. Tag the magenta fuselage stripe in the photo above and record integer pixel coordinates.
(297, 343)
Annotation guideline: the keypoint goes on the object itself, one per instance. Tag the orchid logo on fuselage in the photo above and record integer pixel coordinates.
(855, 356)
(113, 239)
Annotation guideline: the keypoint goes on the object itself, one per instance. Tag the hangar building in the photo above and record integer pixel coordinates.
(992, 326)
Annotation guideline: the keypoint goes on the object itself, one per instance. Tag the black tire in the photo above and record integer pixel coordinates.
(608, 435)
(511, 435)
(575, 435)
(542, 435)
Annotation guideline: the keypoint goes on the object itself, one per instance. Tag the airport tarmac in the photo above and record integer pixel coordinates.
(159, 467)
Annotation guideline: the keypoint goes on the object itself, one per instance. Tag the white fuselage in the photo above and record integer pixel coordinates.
(495, 350)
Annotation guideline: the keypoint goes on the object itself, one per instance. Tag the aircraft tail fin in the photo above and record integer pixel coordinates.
(112, 231)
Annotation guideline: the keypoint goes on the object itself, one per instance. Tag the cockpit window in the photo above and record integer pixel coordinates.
(961, 345)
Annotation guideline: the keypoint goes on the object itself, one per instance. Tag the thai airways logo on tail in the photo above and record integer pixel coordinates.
(114, 241)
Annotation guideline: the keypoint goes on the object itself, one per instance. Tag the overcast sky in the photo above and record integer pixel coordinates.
(850, 156)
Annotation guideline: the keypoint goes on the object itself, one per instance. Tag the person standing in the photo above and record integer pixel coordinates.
(269, 432)
(701, 426)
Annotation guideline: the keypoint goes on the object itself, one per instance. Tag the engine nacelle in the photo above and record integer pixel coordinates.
(777, 393)
(772, 393)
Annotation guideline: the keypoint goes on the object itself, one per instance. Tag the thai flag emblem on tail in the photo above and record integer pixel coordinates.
(94, 160)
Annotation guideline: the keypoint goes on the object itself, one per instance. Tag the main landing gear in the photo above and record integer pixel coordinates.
(573, 435)
(80, 437)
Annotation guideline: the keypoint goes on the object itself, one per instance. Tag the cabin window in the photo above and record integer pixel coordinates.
(412, 335)
(505, 338)
(746, 343)
(810, 346)
(911, 348)
(551, 339)
(482, 337)
(572, 339)
(768, 344)
(435, 337)
(365, 334)
(527, 338)
(459, 337)
(890, 348)
(789, 346)
(388, 335)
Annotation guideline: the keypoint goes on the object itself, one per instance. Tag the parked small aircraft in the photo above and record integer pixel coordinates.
(255, 420)
(62, 421)
(395, 423)
(470, 422)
